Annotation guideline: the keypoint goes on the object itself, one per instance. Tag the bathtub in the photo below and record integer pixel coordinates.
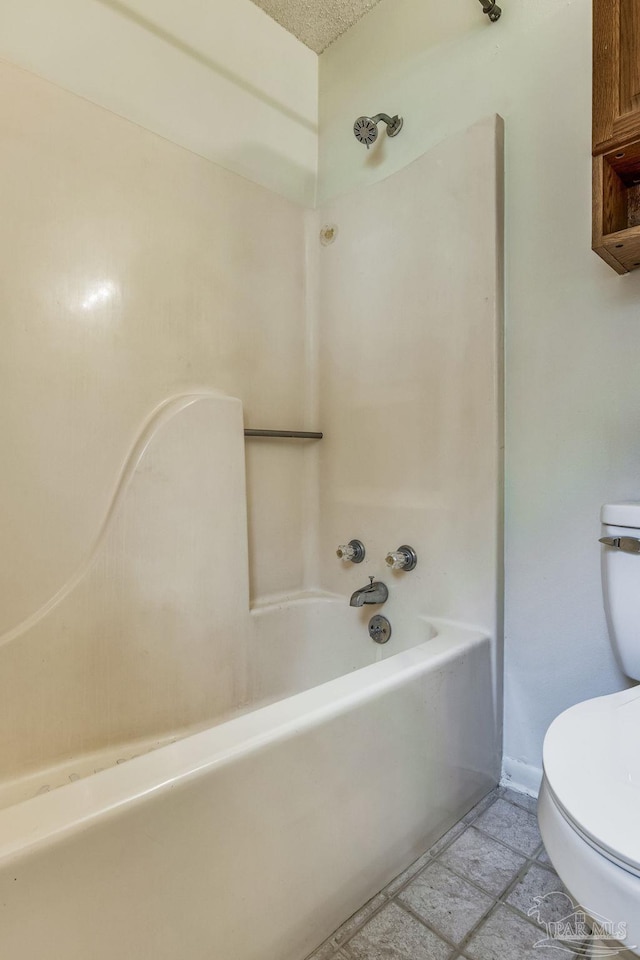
(254, 838)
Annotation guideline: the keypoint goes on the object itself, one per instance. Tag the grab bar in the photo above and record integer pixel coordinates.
(285, 434)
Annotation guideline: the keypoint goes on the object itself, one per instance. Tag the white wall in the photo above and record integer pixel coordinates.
(220, 78)
(573, 326)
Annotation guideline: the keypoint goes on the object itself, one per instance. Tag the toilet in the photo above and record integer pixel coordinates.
(589, 804)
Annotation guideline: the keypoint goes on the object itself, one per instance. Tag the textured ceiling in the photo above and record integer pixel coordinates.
(316, 22)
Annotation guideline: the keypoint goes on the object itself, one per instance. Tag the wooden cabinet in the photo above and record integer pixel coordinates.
(616, 132)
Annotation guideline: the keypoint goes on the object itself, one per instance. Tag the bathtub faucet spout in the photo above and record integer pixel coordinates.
(374, 592)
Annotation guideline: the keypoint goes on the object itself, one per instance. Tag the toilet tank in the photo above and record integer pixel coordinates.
(621, 581)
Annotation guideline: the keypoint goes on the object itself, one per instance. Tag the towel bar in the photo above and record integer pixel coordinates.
(285, 434)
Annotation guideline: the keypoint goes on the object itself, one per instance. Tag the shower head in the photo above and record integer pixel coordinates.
(365, 129)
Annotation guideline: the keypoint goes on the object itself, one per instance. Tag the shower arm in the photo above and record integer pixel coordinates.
(394, 124)
(390, 121)
(491, 8)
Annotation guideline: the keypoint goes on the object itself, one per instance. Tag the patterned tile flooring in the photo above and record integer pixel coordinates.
(467, 897)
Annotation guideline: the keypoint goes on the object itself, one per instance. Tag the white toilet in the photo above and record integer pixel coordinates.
(589, 806)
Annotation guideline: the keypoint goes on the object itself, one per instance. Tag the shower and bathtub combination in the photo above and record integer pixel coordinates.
(193, 770)
(309, 764)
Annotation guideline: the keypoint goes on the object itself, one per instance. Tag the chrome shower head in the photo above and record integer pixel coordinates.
(365, 129)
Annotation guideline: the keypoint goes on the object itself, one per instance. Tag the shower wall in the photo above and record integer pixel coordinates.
(134, 270)
(149, 638)
(410, 373)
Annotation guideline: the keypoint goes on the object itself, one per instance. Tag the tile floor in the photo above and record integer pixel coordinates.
(467, 897)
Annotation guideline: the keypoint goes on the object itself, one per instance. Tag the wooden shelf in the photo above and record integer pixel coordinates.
(616, 133)
(616, 208)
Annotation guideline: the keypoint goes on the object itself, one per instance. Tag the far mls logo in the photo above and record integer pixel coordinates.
(577, 933)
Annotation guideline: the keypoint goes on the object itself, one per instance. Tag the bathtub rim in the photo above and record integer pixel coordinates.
(29, 826)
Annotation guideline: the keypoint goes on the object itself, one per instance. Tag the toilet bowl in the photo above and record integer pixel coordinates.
(589, 804)
(589, 809)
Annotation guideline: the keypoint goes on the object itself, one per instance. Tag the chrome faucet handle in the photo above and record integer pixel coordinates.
(626, 544)
(353, 551)
(404, 558)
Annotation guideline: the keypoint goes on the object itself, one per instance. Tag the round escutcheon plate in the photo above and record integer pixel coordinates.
(379, 629)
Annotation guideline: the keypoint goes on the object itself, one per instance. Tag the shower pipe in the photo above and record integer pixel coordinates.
(285, 434)
(492, 10)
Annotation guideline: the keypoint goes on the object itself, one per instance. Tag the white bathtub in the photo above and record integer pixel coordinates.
(254, 839)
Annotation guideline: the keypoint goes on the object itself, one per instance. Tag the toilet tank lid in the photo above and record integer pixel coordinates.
(625, 514)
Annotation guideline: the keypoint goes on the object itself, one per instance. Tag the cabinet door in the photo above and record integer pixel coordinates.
(616, 73)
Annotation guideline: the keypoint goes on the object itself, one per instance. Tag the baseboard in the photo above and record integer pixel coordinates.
(521, 777)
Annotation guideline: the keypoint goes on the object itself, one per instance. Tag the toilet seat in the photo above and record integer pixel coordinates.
(597, 885)
(592, 770)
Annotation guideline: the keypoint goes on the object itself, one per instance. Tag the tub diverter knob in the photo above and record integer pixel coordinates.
(379, 629)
